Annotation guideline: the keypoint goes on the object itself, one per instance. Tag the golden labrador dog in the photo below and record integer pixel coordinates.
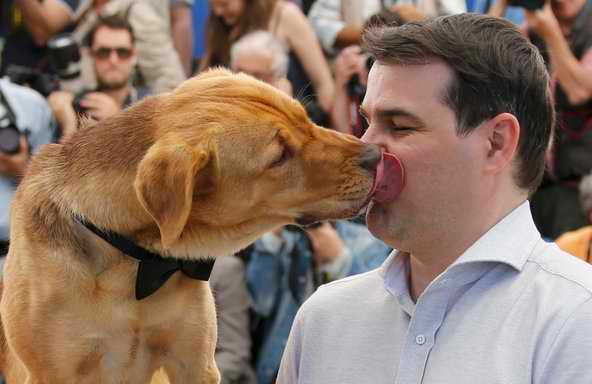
(195, 174)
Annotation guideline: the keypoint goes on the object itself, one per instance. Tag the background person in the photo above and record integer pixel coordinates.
(339, 23)
(229, 20)
(159, 66)
(26, 111)
(578, 242)
(562, 29)
(26, 25)
(114, 55)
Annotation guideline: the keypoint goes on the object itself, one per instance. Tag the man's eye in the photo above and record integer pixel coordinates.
(399, 129)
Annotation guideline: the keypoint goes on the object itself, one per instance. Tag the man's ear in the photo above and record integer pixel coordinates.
(503, 134)
(164, 185)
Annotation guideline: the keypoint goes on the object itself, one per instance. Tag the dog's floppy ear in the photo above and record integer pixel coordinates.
(165, 182)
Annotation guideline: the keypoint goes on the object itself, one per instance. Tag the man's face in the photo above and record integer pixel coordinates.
(229, 10)
(408, 117)
(258, 65)
(114, 56)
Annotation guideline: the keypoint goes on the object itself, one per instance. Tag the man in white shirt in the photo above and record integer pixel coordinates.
(473, 294)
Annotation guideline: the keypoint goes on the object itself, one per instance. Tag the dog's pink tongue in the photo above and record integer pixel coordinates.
(389, 179)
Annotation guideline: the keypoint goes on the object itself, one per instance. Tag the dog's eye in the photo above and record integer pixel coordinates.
(284, 156)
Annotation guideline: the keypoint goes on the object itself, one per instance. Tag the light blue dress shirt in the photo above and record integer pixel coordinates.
(512, 309)
(33, 116)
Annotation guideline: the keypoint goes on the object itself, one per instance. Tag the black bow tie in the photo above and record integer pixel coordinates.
(153, 269)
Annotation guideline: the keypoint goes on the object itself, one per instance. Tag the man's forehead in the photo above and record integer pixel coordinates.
(406, 86)
(107, 36)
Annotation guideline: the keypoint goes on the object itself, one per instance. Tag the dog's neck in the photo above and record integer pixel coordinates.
(84, 181)
(120, 211)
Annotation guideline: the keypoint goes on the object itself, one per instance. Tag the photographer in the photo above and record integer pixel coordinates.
(562, 29)
(351, 74)
(159, 65)
(113, 55)
(25, 124)
(27, 25)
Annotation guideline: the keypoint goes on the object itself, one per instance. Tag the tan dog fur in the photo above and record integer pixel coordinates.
(202, 171)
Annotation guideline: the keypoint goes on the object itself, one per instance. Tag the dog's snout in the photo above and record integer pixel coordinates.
(370, 158)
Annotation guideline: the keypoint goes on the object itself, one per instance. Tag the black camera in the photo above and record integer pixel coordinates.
(79, 109)
(43, 83)
(9, 134)
(64, 58)
(354, 87)
(531, 5)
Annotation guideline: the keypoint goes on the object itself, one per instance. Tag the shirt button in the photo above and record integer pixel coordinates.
(420, 339)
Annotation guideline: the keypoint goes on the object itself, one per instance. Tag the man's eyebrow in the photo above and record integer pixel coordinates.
(393, 112)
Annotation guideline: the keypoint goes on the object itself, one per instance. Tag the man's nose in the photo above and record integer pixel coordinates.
(113, 57)
(369, 137)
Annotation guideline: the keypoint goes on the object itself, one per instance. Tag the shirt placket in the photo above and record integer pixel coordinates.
(427, 318)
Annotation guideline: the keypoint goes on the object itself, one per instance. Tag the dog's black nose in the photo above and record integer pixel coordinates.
(370, 158)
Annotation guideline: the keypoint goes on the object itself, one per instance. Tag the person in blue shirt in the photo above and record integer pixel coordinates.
(33, 119)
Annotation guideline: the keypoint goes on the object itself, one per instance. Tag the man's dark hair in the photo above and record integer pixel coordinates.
(112, 22)
(496, 69)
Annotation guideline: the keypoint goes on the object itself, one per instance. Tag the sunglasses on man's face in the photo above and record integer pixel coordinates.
(103, 53)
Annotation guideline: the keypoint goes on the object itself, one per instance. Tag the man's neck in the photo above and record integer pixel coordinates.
(427, 263)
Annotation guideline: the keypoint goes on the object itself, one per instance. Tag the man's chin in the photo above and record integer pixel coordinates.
(378, 220)
(112, 84)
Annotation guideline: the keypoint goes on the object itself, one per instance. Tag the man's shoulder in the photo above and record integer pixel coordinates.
(349, 291)
(561, 269)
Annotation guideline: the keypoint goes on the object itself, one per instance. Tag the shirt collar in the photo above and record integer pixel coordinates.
(509, 242)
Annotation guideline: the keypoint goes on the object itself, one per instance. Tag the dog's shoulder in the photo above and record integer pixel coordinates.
(37, 212)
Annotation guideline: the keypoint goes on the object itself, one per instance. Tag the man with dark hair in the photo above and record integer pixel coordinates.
(111, 44)
(472, 293)
(159, 65)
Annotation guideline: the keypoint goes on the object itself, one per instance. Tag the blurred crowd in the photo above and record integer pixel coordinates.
(67, 60)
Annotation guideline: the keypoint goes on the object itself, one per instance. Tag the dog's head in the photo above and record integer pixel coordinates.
(234, 158)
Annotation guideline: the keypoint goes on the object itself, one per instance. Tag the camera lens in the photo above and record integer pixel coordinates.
(9, 140)
(64, 56)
